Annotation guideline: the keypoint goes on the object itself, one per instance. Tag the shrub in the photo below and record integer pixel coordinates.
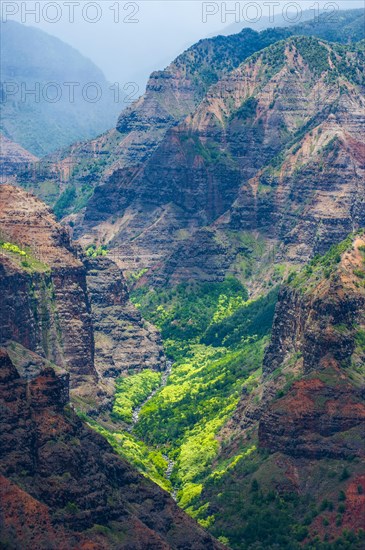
(94, 251)
(131, 391)
(10, 247)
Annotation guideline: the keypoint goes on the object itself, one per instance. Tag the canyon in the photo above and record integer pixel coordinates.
(193, 309)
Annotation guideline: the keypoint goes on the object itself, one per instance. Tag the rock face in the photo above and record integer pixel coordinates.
(45, 302)
(317, 420)
(62, 486)
(13, 158)
(321, 178)
(73, 311)
(262, 152)
(123, 340)
(324, 412)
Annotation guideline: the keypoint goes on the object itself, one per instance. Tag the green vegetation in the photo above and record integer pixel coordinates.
(252, 318)
(211, 369)
(270, 518)
(24, 258)
(321, 267)
(93, 251)
(360, 273)
(315, 54)
(136, 275)
(131, 391)
(247, 109)
(185, 416)
(13, 248)
(64, 202)
(185, 312)
(254, 254)
(203, 384)
(360, 339)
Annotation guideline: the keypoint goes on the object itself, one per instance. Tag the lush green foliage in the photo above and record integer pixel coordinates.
(258, 516)
(185, 312)
(24, 258)
(254, 318)
(13, 248)
(93, 251)
(315, 54)
(247, 109)
(135, 276)
(131, 391)
(360, 339)
(185, 416)
(64, 201)
(206, 381)
(202, 384)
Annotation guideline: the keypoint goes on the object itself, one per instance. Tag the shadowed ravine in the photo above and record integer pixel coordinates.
(136, 413)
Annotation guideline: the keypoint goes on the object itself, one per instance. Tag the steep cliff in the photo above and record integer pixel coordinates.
(320, 317)
(124, 342)
(171, 95)
(13, 158)
(72, 310)
(62, 486)
(262, 152)
(43, 284)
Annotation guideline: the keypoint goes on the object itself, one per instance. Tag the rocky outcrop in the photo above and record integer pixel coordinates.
(320, 320)
(61, 483)
(316, 420)
(124, 342)
(43, 283)
(72, 310)
(13, 158)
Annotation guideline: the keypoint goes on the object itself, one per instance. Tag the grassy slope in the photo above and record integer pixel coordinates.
(216, 338)
(209, 374)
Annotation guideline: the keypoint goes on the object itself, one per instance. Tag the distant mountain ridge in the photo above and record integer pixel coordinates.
(238, 162)
(292, 18)
(56, 114)
(259, 22)
(170, 96)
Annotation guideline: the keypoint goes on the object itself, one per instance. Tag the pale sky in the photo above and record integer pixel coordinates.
(129, 39)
